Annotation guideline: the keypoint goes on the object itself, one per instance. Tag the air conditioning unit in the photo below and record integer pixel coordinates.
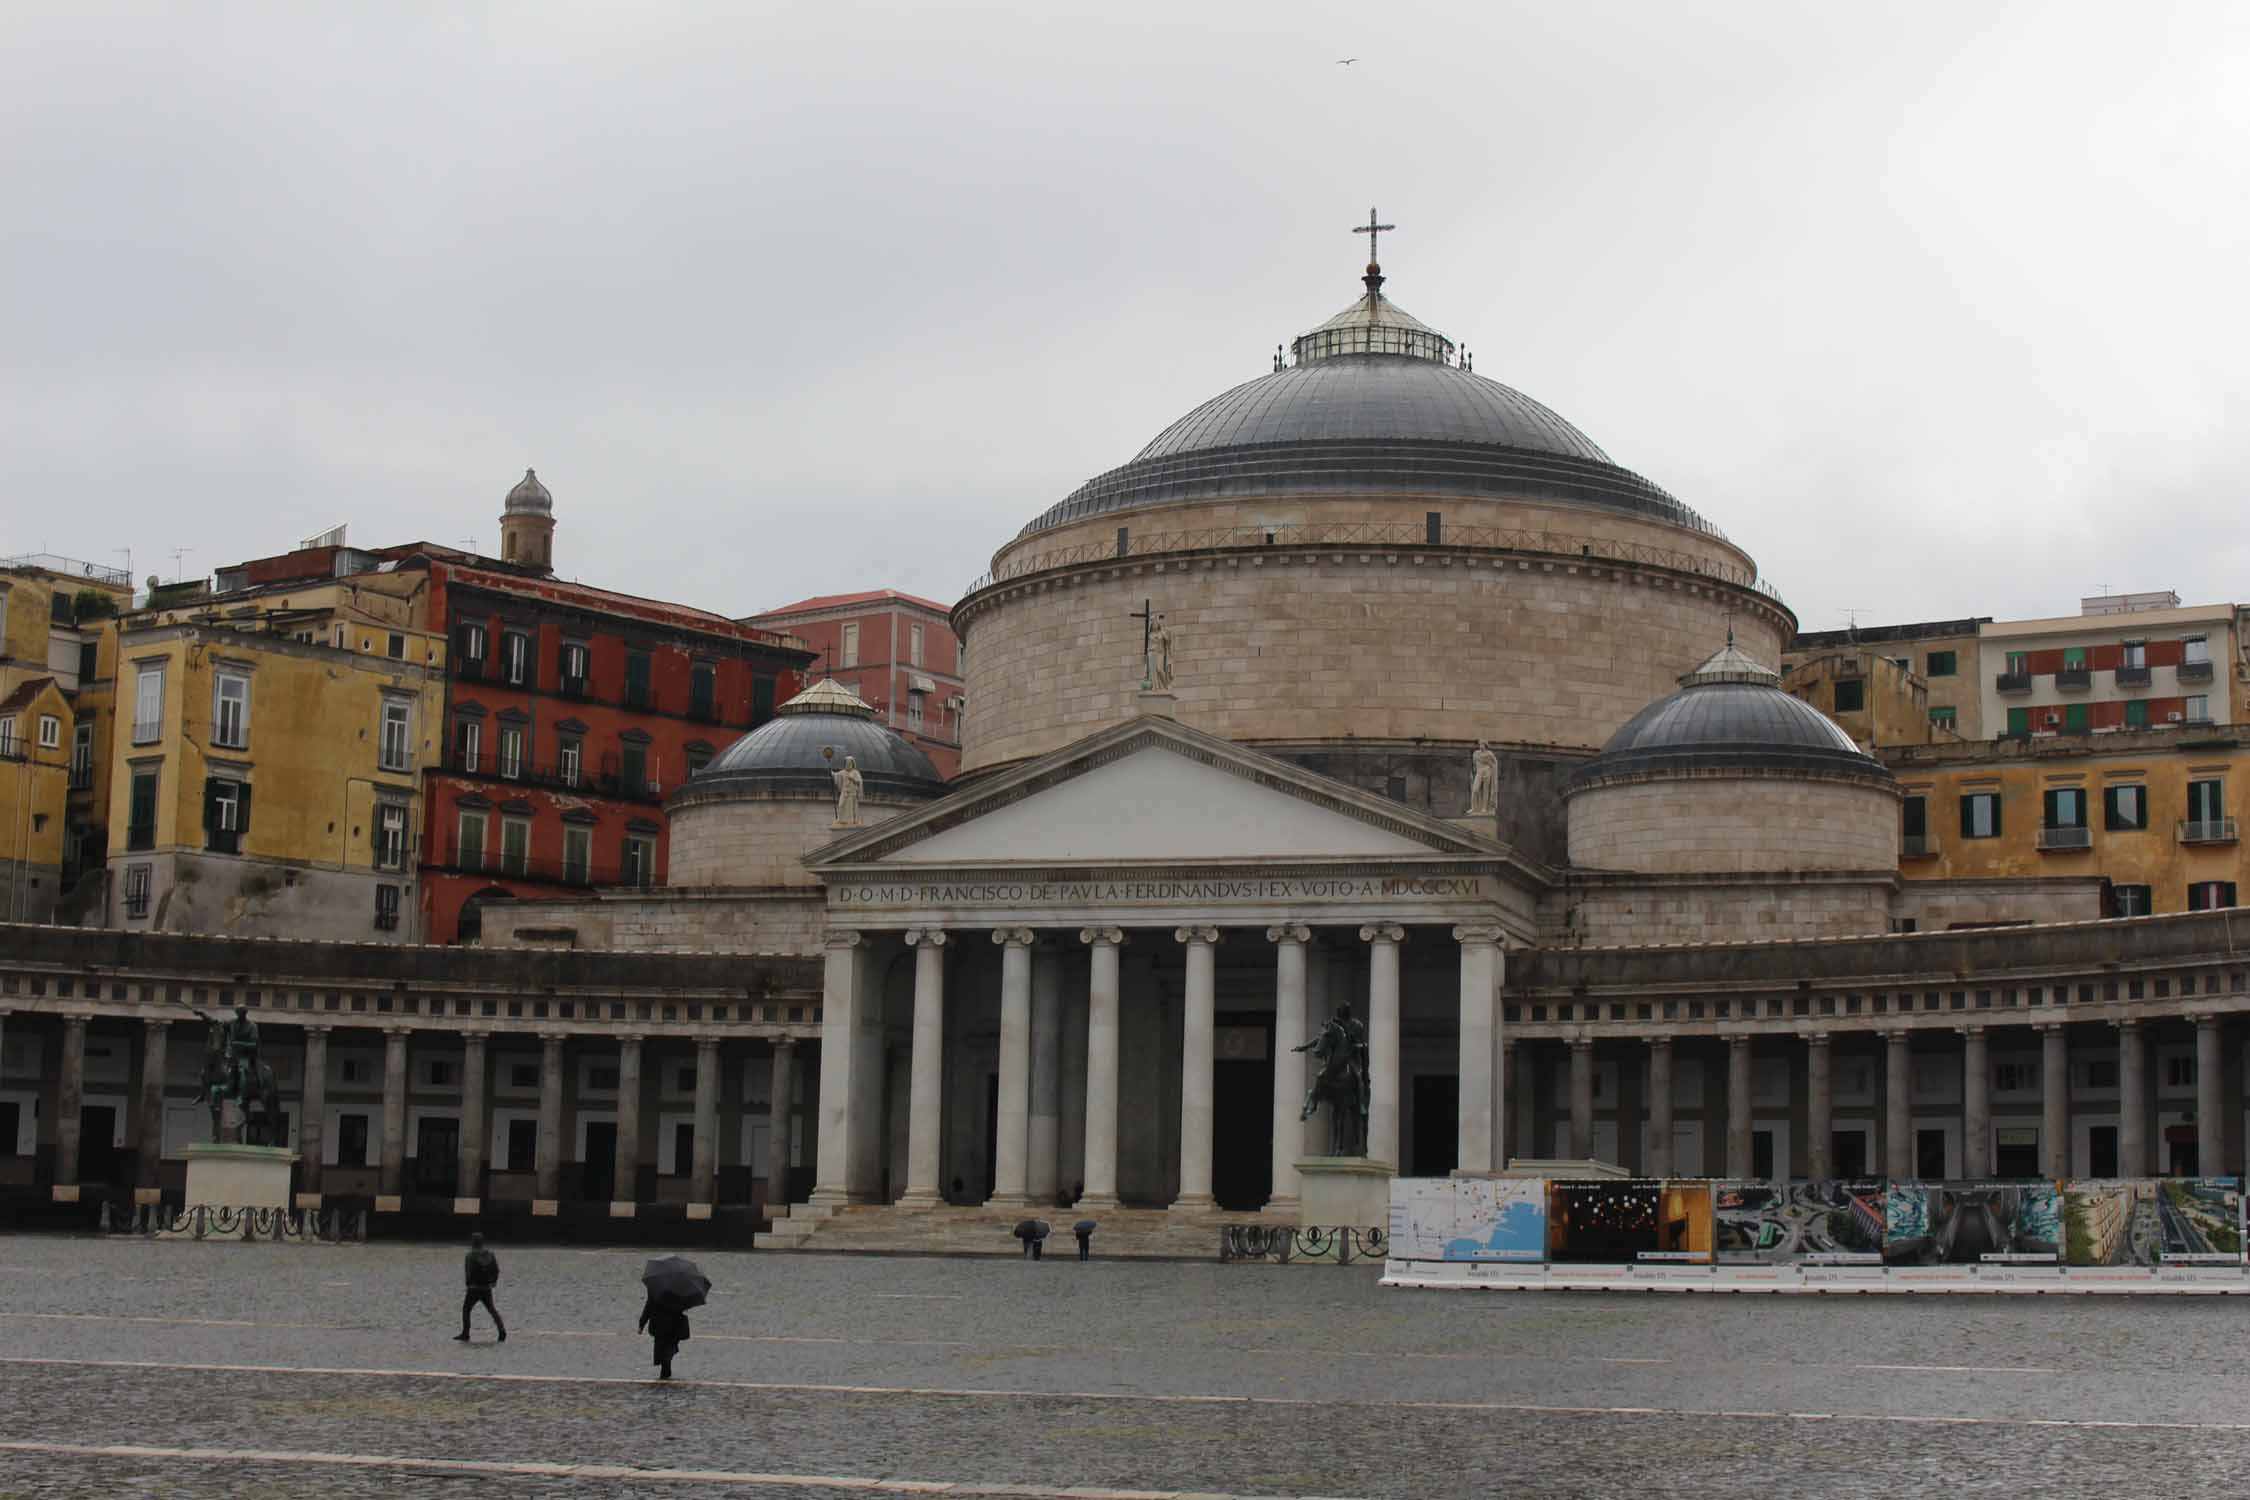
(2173, 717)
(2053, 720)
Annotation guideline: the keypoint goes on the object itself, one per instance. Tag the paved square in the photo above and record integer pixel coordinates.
(164, 1366)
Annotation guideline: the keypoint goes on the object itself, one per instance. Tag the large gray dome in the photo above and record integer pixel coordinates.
(807, 739)
(1365, 422)
(1729, 714)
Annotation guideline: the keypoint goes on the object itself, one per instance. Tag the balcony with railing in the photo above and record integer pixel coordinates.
(2011, 682)
(608, 781)
(2207, 831)
(2065, 840)
(1917, 846)
(147, 731)
(2195, 671)
(2073, 679)
(2132, 677)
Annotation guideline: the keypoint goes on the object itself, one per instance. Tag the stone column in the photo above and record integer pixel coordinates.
(851, 1077)
(781, 1089)
(1072, 1150)
(1504, 1104)
(1739, 1156)
(70, 1105)
(1483, 1090)
(1581, 1098)
(1660, 1106)
(1043, 1137)
(393, 1173)
(1289, 1029)
(2054, 1078)
(1898, 1125)
(2134, 1159)
(1820, 1111)
(468, 1173)
(2210, 1107)
(1198, 1039)
(1011, 1181)
(1101, 1066)
(312, 1116)
(1382, 1040)
(625, 1180)
(925, 1100)
(549, 1187)
(705, 1188)
(1976, 1103)
(154, 1038)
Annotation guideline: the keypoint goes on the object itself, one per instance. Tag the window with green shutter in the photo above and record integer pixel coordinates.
(2078, 718)
(2074, 657)
(2136, 713)
(1980, 815)
(1941, 664)
(2019, 722)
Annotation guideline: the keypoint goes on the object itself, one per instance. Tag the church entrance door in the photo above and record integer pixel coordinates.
(1242, 1110)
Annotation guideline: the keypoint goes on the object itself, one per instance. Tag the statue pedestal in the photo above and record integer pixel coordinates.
(1352, 1192)
(221, 1174)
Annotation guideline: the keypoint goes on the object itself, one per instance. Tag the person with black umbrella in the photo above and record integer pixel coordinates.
(674, 1285)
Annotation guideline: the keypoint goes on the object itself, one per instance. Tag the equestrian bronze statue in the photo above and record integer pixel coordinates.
(232, 1074)
(1340, 1081)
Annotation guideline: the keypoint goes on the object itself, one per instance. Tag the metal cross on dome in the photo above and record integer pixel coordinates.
(1374, 232)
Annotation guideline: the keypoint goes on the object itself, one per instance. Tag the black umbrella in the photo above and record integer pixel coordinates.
(1040, 1229)
(1025, 1229)
(1083, 1226)
(675, 1281)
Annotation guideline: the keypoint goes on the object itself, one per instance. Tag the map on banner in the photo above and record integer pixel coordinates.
(1468, 1219)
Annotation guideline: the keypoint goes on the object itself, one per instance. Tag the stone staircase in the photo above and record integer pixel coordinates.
(887, 1229)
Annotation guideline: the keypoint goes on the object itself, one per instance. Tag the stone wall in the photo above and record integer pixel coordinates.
(1335, 644)
(753, 841)
(1622, 910)
(776, 921)
(1435, 780)
(1936, 905)
(29, 890)
(1730, 823)
(243, 896)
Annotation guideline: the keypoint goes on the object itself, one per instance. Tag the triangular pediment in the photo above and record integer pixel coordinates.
(1154, 791)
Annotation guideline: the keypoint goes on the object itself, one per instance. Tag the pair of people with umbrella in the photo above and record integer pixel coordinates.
(674, 1285)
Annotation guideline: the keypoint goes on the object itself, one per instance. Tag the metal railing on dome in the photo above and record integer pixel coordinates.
(1347, 534)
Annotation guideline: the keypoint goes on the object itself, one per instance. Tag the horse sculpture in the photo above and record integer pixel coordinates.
(233, 1073)
(1341, 1082)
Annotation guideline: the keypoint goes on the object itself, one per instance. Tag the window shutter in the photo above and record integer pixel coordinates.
(242, 810)
(1968, 817)
(210, 804)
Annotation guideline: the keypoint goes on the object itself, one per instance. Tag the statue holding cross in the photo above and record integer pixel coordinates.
(1156, 649)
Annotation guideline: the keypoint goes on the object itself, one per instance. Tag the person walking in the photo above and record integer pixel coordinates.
(668, 1326)
(481, 1269)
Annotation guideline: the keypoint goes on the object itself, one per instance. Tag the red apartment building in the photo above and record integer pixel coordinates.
(897, 651)
(571, 714)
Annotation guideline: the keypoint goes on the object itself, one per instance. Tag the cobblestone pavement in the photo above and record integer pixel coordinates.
(1254, 1380)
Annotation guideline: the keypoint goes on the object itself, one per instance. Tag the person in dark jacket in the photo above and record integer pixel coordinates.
(668, 1326)
(481, 1269)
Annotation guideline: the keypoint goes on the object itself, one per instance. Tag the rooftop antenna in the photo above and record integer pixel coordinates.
(179, 553)
(1851, 622)
(128, 562)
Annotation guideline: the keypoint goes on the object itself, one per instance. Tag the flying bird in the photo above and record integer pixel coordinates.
(1345, 62)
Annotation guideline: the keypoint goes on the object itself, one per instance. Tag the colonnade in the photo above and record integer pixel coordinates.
(1032, 1061)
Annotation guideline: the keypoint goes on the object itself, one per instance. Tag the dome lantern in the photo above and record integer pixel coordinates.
(527, 525)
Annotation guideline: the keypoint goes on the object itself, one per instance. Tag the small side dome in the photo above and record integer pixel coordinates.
(808, 738)
(530, 495)
(1729, 714)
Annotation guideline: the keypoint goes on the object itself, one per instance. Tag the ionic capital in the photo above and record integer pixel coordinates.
(1383, 932)
(1015, 937)
(1112, 936)
(1205, 935)
(837, 939)
(1289, 932)
(1471, 937)
(925, 937)
(705, 1046)
(1817, 1040)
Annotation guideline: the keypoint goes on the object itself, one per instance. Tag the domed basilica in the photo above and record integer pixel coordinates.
(1363, 682)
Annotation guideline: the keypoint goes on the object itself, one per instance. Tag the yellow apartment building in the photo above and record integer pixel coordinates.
(1930, 670)
(267, 774)
(34, 778)
(2153, 813)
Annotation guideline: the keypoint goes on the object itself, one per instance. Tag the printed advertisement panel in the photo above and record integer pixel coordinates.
(1629, 1222)
(1832, 1222)
(2200, 1220)
(2109, 1222)
(1470, 1219)
(1972, 1223)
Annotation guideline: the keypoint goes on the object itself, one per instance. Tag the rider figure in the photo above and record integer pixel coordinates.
(236, 1043)
(1340, 1048)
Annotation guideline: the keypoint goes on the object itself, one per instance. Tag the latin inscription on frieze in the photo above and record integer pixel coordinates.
(946, 893)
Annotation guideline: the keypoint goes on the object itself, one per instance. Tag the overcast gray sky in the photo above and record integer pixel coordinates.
(1938, 309)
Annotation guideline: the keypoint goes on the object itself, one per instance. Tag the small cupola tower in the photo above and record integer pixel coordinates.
(527, 525)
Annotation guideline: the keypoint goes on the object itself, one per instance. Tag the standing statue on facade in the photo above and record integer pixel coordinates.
(1484, 782)
(233, 1074)
(1341, 1081)
(849, 784)
(1160, 657)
